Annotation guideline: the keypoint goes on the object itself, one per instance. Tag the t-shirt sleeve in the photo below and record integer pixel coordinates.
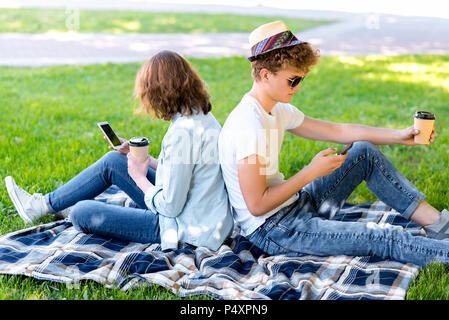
(292, 116)
(249, 141)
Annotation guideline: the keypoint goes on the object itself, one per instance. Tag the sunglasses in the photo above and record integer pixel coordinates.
(295, 81)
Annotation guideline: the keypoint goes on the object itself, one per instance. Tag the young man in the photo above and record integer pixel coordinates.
(294, 215)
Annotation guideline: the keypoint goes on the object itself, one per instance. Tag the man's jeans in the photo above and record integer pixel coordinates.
(305, 227)
(90, 216)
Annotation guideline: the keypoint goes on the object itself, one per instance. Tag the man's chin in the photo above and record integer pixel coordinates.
(287, 99)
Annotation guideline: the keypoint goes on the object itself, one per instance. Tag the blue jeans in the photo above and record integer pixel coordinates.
(90, 216)
(306, 227)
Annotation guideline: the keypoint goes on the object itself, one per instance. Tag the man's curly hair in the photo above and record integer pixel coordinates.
(167, 84)
(301, 57)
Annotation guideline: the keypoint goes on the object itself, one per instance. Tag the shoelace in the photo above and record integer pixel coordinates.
(23, 192)
(34, 196)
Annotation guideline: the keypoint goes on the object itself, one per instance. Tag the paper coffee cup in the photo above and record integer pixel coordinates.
(424, 122)
(138, 147)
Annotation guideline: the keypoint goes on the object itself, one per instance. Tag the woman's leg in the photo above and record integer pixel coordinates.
(365, 162)
(111, 169)
(131, 224)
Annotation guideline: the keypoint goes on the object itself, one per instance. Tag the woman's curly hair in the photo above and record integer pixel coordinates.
(167, 84)
(301, 57)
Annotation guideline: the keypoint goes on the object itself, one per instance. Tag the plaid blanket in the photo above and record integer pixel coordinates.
(56, 251)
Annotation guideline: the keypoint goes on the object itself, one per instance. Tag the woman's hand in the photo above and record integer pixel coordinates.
(324, 163)
(138, 172)
(407, 136)
(125, 146)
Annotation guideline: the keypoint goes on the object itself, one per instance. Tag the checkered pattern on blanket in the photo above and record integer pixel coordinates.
(56, 251)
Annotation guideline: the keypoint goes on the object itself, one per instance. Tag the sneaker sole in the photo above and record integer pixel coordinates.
(10, 187)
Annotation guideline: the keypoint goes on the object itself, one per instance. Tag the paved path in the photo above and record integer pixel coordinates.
(58, 48)
(353, 34)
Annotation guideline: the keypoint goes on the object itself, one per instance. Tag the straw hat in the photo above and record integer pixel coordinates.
(270, 36)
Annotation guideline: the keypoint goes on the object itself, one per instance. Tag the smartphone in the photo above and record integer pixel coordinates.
(113, 139)
(345, 149)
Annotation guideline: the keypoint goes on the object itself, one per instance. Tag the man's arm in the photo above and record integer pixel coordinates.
(260, 198)
(344, 133)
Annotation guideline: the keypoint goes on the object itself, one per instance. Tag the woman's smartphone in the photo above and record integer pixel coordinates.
(113, 139)
(345, 149)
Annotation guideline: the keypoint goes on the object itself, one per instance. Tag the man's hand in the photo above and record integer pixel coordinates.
(407, 136)
(324, 163)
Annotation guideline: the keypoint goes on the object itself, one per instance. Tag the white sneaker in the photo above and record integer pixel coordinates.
(29, 206)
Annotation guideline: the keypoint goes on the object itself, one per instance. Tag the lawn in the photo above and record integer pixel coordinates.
(59, 20)
(49, 134)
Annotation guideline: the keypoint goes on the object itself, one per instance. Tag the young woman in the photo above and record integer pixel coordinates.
(181, 196)
(295, 215)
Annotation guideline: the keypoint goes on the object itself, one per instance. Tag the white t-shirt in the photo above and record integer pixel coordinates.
(249, 130)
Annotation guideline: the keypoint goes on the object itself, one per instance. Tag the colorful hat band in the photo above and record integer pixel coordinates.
(280, 40)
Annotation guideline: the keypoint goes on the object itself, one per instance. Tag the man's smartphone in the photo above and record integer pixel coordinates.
(113, 139)
(345, 149)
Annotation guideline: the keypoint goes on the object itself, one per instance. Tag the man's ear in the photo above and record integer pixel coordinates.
(263, 74)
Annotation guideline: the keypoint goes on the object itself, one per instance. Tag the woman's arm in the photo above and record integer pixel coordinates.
(153, 163)
(260, 198)
(138, 172)
(176, 166)
(170, 198)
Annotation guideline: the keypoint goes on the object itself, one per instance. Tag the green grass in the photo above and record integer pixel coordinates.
(46, 20)
(24, 288)
(49, 134)
(432, 283)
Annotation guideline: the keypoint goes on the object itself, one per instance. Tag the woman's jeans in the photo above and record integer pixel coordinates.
(306, 227)
(90, 216)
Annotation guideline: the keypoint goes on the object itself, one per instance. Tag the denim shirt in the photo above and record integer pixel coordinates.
(189, 193)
